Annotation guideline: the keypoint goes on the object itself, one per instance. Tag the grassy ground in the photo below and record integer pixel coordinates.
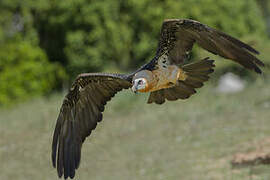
(191, 140)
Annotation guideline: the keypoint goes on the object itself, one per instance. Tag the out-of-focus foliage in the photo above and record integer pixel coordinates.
(25, 71)
(265, 8)
(95, 35)
(86, 36)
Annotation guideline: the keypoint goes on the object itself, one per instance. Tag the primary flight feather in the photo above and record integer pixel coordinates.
(167, 77)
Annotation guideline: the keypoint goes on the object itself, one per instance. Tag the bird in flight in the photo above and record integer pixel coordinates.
(166, 77)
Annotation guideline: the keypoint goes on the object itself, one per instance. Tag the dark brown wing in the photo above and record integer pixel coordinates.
(80, 112)
(178, 36)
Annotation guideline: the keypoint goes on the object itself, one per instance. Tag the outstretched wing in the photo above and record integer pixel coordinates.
(178, 36)
(80, 112)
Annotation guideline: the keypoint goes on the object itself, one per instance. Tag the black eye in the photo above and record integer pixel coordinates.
(140, 82)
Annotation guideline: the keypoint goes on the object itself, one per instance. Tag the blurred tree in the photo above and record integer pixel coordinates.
(265, 7)
(93, 35)
(87, 36)
(25, 70)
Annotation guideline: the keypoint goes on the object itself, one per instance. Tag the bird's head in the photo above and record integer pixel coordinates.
(140, 85)
(141, 81)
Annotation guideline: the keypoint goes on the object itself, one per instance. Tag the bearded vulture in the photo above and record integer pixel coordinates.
(167, 77)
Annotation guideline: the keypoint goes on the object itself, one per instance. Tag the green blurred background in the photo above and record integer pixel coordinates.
(44, 44)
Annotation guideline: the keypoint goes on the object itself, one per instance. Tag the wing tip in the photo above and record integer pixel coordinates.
(239, 43)
(257, 70)
(260, 63)
(255, 51)
(55, 141)
(66, 151)
(53, 156)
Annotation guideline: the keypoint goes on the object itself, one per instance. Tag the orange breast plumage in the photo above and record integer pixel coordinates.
(166, 77)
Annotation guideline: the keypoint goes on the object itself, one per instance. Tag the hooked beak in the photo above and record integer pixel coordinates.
(134, 88)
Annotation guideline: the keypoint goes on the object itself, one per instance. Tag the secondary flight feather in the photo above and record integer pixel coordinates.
(166, 77)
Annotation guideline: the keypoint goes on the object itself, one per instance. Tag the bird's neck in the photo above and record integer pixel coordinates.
(150, 78)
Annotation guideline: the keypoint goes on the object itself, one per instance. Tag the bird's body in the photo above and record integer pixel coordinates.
(162, 78)
(167, 77)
